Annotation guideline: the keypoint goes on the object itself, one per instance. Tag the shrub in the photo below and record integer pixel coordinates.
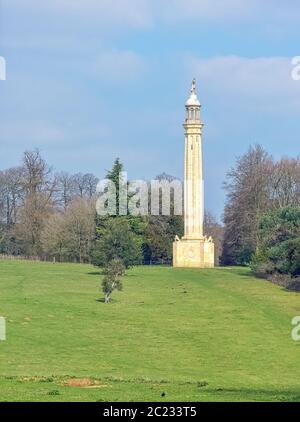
(278, 254)
(294, 285)
(117, 241)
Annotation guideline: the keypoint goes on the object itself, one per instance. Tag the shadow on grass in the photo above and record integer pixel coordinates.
(101, 300)
(101, 273)
(247, 274)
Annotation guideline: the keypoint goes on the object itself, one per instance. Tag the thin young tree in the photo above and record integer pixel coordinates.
(114, 270)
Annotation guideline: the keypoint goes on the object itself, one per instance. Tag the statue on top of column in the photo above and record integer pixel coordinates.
(193, 89)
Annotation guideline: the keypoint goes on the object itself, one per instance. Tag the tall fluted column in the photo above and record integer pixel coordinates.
(194, 249)
(193, 180)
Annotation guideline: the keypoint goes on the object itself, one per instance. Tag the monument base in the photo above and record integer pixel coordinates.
(193, 253)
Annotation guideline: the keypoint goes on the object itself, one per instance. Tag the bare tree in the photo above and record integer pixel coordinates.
(53, 240)
(90, 182)
(34, 213)
(248, 196)
(11, 194)
(65, 189)
(285, 183)
(36, 173)
(85, 185)
(79, 229)
(216, 231)
(69, 234)
(37, 186)
(255, 185)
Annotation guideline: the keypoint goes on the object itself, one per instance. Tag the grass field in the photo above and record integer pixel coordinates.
(195, 335)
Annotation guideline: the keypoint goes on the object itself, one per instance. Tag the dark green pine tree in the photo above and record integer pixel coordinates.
(114, 176)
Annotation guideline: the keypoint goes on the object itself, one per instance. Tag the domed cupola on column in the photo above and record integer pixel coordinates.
(193, 106)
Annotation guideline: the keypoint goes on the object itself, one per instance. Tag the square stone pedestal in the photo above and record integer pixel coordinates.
(190, 253)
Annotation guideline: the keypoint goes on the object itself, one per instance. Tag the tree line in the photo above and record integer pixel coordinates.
(53, 216)
(46, 214)
(262, 215)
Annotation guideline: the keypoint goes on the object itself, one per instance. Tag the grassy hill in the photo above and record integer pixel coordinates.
(198, 335)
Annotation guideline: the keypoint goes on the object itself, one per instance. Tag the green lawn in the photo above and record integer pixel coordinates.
(196, 335)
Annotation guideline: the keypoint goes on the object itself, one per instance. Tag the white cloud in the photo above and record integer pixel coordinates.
(216, 10)
(238, 11)
(262, 84)
(119, 13)
(144, 13)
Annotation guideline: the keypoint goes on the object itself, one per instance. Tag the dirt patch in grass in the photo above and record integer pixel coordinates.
(83, 383)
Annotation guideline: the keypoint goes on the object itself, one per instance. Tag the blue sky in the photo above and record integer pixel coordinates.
(92, 80)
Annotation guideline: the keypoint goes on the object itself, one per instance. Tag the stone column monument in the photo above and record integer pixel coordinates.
(194, 249)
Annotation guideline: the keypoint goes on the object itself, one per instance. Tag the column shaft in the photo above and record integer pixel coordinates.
(193, 184)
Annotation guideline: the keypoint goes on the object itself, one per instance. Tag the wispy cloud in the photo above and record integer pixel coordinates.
(213, 11)
(143, 13)
(231, 11)
(120, 13)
